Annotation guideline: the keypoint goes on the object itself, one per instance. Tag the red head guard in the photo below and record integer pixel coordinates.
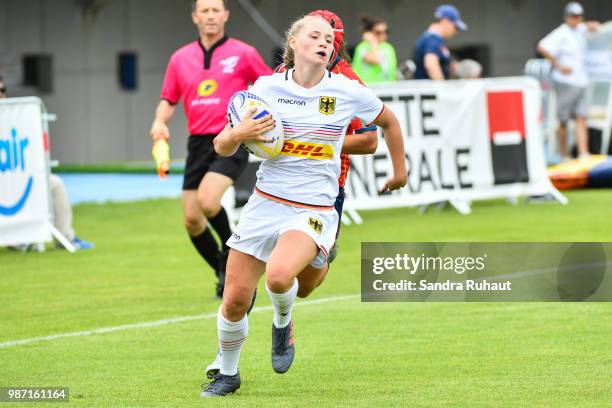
(336, 25)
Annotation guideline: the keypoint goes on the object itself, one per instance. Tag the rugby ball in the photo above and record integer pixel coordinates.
(239, 105)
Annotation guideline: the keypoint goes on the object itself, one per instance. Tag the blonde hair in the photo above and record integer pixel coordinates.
(294, 29)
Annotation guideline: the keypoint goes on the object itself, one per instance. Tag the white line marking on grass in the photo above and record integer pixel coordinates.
(157, 323)
(204, 316)
(535, 272)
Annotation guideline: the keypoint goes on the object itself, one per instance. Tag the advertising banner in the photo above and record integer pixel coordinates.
(464, 141)
(24, 191)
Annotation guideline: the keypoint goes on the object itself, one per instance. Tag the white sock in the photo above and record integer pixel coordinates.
(283, 304)
(231, 337)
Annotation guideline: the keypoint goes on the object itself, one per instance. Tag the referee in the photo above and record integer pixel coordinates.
(205, 74)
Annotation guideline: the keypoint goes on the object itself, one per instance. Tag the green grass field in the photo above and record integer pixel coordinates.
(349, 353)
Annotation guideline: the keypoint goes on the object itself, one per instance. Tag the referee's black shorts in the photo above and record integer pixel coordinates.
(202, 158)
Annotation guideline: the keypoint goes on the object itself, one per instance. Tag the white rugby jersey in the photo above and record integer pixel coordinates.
(315, 122)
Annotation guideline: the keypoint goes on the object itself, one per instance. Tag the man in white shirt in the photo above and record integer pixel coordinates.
(565, 48)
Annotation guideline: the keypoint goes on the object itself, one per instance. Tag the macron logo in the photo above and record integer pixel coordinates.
(291, 102)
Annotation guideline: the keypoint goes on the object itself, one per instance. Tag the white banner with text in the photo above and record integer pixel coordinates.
(464, 141)
(24, 172)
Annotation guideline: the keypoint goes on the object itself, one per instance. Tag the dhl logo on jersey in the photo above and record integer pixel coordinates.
(308, 150)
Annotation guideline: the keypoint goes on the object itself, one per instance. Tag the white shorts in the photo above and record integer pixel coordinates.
(264, 220)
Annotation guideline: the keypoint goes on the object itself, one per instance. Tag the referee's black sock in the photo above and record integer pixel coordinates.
(208, 248)
(220, 223)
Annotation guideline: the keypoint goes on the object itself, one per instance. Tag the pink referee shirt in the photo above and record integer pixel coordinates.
(207, 80)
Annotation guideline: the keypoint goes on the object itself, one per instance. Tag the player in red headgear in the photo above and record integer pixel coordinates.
(338, 28)
(359, 140)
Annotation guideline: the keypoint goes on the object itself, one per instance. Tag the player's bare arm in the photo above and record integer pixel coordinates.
(228, 141)
(395, 142)
(363, 143)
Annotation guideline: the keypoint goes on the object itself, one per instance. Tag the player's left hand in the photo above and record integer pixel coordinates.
(254, 129)
(394, 183)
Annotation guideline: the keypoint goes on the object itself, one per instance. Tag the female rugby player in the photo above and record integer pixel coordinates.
(290, 219)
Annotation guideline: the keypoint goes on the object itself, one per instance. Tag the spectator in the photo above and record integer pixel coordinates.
(468, 69)
(62, 214)
(375, 59)
(431, 56)
(62, 210)
(565, 48)
(2, 88)
(406, 70)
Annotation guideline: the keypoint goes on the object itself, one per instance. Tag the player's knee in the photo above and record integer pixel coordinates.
(278, 278)
(235, 307)
(305, 289)
(307, 286)
(194, 225)
(209, 207)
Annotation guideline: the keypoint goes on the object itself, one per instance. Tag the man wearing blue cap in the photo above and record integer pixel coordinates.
(431, 56)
